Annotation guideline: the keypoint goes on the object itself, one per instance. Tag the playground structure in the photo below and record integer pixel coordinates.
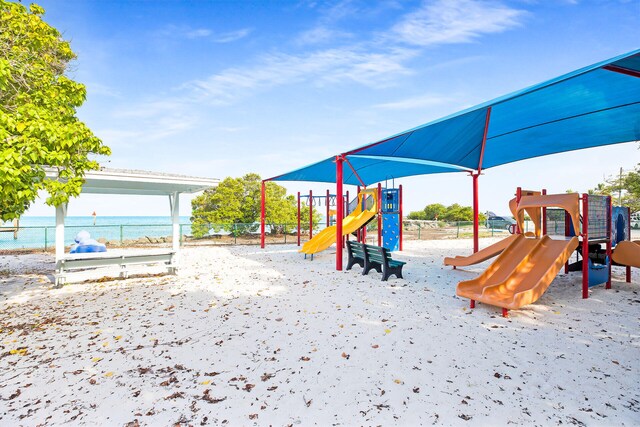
(366, 209)
(528, 263)
(13, 228)
(593, 106)
(383, 202)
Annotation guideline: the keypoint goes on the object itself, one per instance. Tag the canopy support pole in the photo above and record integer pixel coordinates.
(263, 202)
(475, 212)
(379, 211)
(476, 245)
(61, 212)
(339, 213)
(310, 214)
(400, 215)
(298, 232)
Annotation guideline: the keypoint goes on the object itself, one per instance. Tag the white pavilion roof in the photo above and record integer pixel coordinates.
(137, 182)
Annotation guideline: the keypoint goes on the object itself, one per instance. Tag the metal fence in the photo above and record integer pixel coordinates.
(38, 238)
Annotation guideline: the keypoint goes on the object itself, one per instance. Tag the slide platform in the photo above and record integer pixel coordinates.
(481, 255)
(521, 273)
(627, 253)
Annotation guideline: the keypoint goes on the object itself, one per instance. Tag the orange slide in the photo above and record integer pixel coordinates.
(627, 253)
(481, 255)
(521, 273)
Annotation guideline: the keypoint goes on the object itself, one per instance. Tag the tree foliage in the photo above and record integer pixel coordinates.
(625, 185)
(38, 123)
(237, 201)
(454, 212)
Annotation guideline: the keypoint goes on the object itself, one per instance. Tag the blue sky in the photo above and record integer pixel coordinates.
(220, 88)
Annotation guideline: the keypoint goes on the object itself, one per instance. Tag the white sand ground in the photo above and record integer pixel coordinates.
(244, 336)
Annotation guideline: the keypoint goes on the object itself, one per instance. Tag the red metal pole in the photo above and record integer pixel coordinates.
(544, 215)
(298, 218)
(518, 197)
(567, 228)
(339, 213)
(379, 207)
(628, 278)
(346, 208)
(476, 244)
(359, 232)
(609, 214)
(326, 201)
(400, 213)
(310, 214)
(585, 246)
(505, 312)
(263, 202)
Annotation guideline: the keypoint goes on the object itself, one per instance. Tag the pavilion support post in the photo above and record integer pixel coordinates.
(61, 212)
(476, 245)
(175, 222)
(339, 213)
(263, 203)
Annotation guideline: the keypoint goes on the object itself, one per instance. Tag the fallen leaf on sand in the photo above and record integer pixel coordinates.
(108, 374)
(375, 346)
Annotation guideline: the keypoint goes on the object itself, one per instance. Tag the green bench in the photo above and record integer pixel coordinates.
(371, 257)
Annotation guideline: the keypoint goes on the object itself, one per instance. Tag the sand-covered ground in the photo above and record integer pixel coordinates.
(244, 336)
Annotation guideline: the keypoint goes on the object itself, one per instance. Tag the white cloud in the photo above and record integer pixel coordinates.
(189, 33)
(320, 67)
(320, 34)
(455, 21)
(232, 35)
(198, 33)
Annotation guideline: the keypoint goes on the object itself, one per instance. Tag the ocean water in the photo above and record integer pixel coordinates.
(39, 231)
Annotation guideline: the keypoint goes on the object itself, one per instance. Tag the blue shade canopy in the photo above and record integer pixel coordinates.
(590, 107)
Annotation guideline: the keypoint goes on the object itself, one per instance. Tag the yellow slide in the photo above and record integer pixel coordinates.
(521, 273)
(482, 254)
(627, 253)
(357, 219)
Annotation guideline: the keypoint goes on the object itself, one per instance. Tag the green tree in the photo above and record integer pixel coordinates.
(451, 213)
(624, 188)
(237, 201)
(38, 123)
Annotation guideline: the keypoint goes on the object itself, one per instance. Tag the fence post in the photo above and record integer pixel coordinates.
(46, 238)
(235, 233)
(457, 229)
(181, 234)
(121, 234)
(284, 228)
(419, 228)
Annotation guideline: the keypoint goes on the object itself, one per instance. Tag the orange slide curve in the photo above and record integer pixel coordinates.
(482, 255)
(521, 273)
(627, 253)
